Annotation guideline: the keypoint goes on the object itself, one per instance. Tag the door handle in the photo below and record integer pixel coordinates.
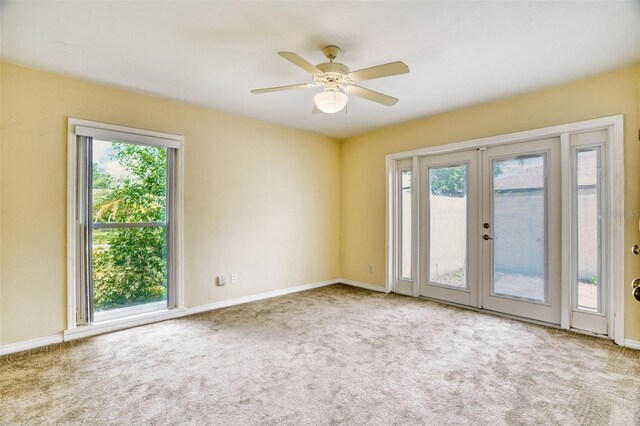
(635, 289)
(486, 237)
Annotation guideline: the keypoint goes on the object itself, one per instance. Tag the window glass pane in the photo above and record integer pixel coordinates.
(129, 267)
(128, 182)
(405, 224)
(448, 225)
(519, 227)
(588, 228)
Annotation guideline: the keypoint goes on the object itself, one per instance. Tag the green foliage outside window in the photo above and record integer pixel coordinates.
(129, 265)
(448, 181)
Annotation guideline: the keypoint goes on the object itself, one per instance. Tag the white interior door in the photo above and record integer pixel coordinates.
(521, 229)
(449, 227)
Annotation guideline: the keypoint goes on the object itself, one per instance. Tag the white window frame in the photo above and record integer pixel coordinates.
(614, 205)
(601, 234)
(401, 284)
(142, 315)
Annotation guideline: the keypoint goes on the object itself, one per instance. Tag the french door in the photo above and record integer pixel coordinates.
(529, 224)
(490, 235)
(449, 204)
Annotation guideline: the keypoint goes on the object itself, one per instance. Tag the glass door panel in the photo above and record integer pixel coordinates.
(588, 229)
(405, 224)
(448, 225)
(519, 231)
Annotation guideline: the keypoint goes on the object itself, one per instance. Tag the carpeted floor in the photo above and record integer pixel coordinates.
(334, 355)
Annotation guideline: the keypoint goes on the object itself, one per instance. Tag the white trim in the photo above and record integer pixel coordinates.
(614, 194)
(178, 227)
(72, 227)
(632, 344)
(152, 317)
(416, 227)
(177, 313)
(359, 284)
(124, 129)
(527, 135)
(149, 318)
(260, 296)
(25, 345)
(93, 329)
(566, 227)
(72, 209)
(139, 137)
(390, 205)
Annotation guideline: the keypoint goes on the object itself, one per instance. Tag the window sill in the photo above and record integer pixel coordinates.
(107, 326)
(129, 311)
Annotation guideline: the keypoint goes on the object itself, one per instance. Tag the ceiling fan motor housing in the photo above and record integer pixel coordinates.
(333, 73)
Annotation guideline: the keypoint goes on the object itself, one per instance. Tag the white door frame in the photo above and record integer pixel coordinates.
(614, 200)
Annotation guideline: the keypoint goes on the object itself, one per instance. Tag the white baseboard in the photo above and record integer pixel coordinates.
(633, 344)
(164, 315)
(361, 285)
(25, 345)
(256, 297)
(151, 317)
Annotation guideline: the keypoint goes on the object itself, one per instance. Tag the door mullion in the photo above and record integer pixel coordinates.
(89, 233)
(415, 219)
(480, 220)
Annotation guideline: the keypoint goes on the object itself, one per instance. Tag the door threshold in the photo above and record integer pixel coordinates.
(494, 313)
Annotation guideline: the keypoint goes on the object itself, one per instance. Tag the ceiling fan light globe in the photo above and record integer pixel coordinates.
(330, 101)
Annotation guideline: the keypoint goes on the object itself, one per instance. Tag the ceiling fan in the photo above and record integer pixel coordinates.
(338, 81)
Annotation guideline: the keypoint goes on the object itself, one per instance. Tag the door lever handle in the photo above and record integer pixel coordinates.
(635, 289)
(486, 237)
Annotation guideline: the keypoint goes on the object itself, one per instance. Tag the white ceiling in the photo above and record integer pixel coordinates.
(213, 53)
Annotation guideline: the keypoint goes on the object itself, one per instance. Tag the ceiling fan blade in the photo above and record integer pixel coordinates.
(316, 110)
(291, 86)
(302, 63)
(371, 95)
(386, 70)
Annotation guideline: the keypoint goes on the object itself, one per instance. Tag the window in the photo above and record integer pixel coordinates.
(126, 219)
(405, 223)
(588, 229)
(447, 201)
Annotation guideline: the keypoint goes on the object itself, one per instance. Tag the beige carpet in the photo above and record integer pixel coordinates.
(335, 355)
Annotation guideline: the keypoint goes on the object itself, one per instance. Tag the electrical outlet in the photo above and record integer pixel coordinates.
(221, 280)
(234, 278)
(371, 268)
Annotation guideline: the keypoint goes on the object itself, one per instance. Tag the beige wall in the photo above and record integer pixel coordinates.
(362, 159)
(261, 200)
